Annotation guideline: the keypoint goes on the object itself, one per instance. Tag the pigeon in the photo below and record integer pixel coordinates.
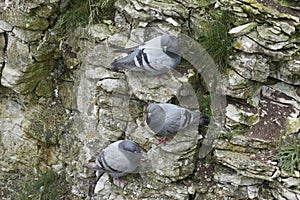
(117, 159)
(154, 57)
(166, 119)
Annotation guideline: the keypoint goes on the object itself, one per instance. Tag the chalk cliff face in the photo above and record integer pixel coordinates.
(61, 104)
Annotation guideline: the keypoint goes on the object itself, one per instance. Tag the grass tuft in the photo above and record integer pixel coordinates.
(85, 13)
(288, 154)
(214, 37)
(49, 185)
(204, 104)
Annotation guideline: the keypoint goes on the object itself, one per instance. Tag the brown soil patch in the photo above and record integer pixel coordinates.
(272, 120)
(206, 172)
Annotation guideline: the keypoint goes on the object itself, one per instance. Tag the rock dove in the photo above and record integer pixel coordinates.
(154, 57)
(166, 119)
(117, 159)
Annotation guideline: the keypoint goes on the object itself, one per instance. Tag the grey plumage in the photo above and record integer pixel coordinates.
(166, 119)
(117, 159)
(154, 57)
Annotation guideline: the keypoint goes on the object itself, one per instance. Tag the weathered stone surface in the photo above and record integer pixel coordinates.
(19, 153)
(270, 92)
(269, 44)
(272, 34)
(13, 140)
(290, 91)
(241, 116)
(265, 43)
(249, 45)
(44, 51)
(2, 46)
(262, 11)
(86, 99)
(147, 11)
(4, 26)
(228, 177)
(243, 165)
(288, 71)
(65, 91)
(21, 73)
(142, 190)
(103, 97)
(107, 106)
(273, 48)
(176, 158)
(282, 192)
(285, 27)
(113, 86)
(22, 20)
(26, 35)
(292, 125)
(250, 187)
(291, 182)
(99, 31)
(49, 9)
(143, 87)
(243, 29)
(45, 88)
(238, 86)
(240, 143)
(253, 67)
(14, 46)
(25, 82)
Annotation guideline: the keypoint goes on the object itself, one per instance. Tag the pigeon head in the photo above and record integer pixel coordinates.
(155, 117)
(150, 109)
(170, 45)
(129, 146)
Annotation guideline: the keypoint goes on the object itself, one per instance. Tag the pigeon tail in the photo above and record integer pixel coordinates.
(203, 120)
(116, 66)
(123, 63)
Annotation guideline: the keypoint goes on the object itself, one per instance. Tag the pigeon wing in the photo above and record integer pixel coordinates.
(173, 118)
